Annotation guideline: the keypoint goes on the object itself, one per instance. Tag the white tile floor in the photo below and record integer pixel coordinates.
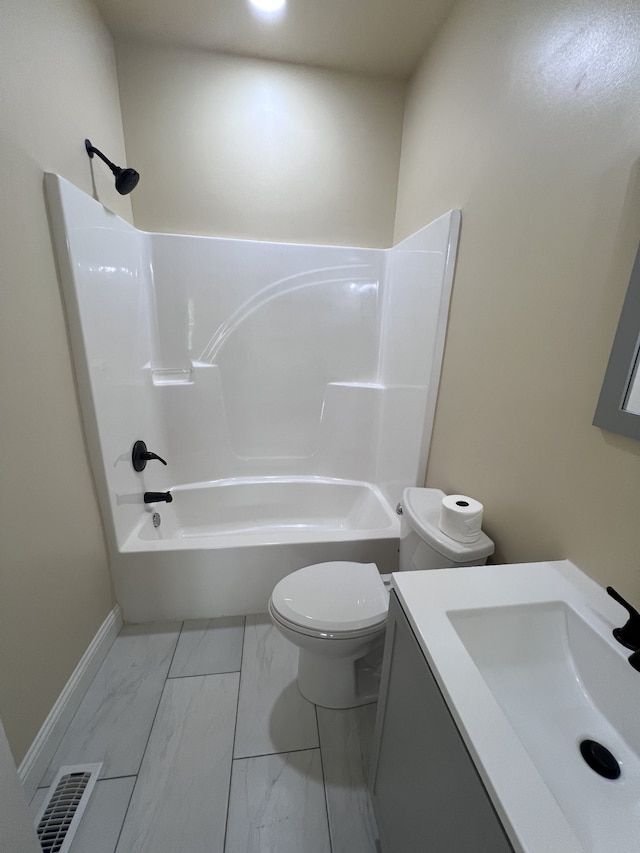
(208, 747)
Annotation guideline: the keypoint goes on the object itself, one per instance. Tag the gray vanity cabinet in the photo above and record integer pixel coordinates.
(427, 794)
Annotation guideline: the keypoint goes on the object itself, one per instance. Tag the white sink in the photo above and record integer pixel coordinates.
(527, 664)
(559, 682)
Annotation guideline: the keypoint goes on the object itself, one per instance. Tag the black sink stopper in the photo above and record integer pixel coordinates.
(600, 759)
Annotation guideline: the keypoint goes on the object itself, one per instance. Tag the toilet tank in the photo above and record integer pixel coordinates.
(424, 546)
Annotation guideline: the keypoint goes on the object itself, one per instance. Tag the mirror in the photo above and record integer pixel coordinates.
(618, 408)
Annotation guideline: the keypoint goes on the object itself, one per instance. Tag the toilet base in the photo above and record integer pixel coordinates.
(337, 682)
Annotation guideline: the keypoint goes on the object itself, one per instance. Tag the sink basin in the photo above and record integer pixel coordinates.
(560, 680)
(525, 660)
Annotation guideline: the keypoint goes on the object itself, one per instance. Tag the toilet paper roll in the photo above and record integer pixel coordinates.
(461, 518)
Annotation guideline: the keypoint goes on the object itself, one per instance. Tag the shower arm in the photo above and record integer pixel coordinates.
(91, 151)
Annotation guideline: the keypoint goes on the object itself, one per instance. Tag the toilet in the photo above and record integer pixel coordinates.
(336, 613)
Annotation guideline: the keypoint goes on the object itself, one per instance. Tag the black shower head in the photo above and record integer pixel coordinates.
(126, 179)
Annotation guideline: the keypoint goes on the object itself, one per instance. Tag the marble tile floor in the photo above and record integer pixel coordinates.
(208, 747)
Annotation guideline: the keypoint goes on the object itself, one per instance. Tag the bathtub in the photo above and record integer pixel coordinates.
(221, 546)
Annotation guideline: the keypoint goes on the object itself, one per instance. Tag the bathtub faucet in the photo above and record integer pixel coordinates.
(156, 497)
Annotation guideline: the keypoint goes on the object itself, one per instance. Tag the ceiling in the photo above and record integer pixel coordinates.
(386, 37)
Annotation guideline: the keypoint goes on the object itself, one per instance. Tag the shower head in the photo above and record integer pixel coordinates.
(126, 179)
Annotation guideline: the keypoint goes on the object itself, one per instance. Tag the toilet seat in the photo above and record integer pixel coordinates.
(323, 634)
(336, 599)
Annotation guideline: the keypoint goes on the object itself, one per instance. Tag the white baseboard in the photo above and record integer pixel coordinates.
(43, 748)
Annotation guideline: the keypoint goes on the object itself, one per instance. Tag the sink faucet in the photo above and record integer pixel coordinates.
(629, 634)
(156, 497)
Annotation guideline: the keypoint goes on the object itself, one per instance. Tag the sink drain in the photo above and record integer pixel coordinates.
(600, 759)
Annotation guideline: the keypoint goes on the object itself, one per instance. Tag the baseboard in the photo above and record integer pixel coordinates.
(43, 748)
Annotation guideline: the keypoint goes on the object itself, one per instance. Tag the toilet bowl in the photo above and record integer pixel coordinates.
(336, 613)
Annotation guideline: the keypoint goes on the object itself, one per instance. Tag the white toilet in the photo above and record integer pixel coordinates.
(336, 612)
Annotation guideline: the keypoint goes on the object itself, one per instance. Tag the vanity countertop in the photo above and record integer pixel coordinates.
(530, 813)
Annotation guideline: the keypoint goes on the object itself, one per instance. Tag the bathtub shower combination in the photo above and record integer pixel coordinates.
(290, 388)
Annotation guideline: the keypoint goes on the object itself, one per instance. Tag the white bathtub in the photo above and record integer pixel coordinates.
(222, 546)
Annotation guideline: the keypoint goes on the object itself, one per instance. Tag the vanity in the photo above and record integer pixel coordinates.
(494, 679)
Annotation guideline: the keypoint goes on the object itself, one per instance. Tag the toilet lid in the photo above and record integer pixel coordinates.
(336, 596)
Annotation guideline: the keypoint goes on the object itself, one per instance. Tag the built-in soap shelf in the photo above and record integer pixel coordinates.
(172, 376)
(372, 385)
(176, 375)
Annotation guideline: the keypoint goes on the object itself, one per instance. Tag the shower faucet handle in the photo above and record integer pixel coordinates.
(140, 456)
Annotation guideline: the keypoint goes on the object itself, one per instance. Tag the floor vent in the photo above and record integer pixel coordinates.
(64, 806)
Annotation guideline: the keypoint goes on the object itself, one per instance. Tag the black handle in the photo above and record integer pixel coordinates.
(629, 634)
(157, 497)
(140, 456)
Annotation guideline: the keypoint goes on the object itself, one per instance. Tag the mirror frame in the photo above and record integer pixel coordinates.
(610, 413)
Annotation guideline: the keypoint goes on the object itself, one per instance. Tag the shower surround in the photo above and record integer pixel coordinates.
(291, 389)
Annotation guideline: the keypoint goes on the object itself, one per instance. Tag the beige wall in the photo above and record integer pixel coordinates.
(265, 150)
(525, 115)
(57, 85)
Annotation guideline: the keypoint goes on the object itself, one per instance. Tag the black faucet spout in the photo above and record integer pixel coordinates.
(157, 497)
